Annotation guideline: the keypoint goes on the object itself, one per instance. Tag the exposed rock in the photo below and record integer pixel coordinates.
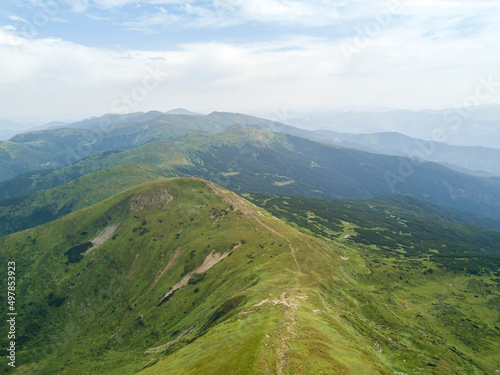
(157, 198)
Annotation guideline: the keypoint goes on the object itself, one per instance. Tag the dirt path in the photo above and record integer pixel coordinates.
(288, 332)
(161, 347)
(292, 249)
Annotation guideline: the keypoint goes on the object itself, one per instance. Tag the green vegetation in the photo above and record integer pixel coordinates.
(120, 271)
(245, 159)
(75, 253)
(53, 148)
(185, 277)
(390, 223)
(29, 211)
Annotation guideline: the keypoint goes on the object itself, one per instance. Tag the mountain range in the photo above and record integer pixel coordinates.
(183, 243)
(245, 159)
(461, 126)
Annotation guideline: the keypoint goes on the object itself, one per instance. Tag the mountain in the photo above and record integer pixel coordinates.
(28, 211)
(477, 160)
(244, 159)
(55, 125)
(56, 147)
(53, 148)
(62, 146)
(468, 126)
(164, 154)
(183, 276)
(182, 111)
(20, 213)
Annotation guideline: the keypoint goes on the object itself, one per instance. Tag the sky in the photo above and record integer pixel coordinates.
(64, 59)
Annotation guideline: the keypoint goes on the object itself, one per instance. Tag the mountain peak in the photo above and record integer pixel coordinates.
(240, 129)
(182, 111)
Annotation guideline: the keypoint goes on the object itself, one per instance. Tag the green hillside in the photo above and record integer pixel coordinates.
(181, 276)
(395, 225)
(163, 154)
(29, 211)
(244, 159)
(57, 147)
(52, 148)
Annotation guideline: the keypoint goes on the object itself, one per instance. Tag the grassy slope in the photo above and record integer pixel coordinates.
(95, 316)
(56, 147)
(376, 312)
(163, 154)
(244, 159)
(26, 212)
(430, 280)
(52, 148)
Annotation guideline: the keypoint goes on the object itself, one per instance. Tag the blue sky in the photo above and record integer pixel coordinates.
(89, 57)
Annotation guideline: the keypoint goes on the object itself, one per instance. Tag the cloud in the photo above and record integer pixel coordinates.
(98, 18)
(83, 5)
(428, 54)
(17, 19)
(78, 6)
(149, 23)
(57, 19)
(51, 75)
(107, 4)
(302, 13)
(227, 13)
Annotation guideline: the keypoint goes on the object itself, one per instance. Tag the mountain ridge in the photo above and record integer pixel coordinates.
(270, 162)
(242, 283)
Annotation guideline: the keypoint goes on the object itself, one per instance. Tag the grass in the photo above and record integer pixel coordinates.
(26, 212)
(351, 308)
(244, 159)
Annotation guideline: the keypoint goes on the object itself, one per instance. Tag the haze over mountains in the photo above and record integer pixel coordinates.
(230, 244)
(462, 126)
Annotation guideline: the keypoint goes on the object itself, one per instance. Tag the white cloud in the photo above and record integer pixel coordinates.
(225, 13)
(78, 6)
(57, 19)
(304, 13)
(150, 23)
(17, 19)
(51, 75)
(98, 18)
(431, 54)
(84, 5)
(109, 4)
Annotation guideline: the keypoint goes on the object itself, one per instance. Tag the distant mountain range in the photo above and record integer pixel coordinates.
(478, 126)
(479, 161)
